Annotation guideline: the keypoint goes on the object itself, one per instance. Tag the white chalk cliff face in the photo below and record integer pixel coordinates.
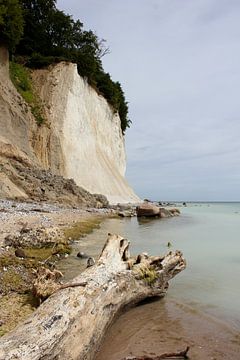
(86, 141)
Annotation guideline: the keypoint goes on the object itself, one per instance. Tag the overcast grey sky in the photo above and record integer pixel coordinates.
(179, 64)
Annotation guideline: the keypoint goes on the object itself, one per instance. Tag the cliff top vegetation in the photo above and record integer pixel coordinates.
(38, 34)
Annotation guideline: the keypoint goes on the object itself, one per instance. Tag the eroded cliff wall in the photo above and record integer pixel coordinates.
(81, 138)
(86, 138)
(17, 124)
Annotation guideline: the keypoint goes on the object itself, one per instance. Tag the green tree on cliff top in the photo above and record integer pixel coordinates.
(11, 23)
(41, 34)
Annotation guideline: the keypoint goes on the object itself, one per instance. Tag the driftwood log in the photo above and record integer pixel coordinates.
(71, 323)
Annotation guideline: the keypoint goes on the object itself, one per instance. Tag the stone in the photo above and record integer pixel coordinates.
(126, 213)
(90, 261)
(82, 255)
(147, 209)
(174, 211)
(164, 213)
(20, 253)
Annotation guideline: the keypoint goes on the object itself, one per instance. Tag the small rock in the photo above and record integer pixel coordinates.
(25, 230)
(20, 253)
(82, 255)
(90, 261)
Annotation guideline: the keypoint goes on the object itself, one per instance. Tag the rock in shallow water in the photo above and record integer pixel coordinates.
(147, 209)
(82, 255)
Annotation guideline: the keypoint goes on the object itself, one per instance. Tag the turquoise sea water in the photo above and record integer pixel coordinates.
(208, 234)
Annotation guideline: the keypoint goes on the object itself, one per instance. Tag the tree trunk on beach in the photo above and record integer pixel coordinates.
(71, 323)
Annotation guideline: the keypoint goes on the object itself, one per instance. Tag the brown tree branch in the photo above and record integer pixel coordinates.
(173, 355)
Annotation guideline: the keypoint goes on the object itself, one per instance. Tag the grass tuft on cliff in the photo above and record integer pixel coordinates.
(21, 78)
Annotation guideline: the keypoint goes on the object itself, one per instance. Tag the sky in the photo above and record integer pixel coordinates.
(179, 65)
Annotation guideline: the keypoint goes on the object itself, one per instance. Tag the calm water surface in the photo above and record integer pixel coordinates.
(209, 237)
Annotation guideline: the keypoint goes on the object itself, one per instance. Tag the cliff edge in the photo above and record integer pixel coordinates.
(81, 138)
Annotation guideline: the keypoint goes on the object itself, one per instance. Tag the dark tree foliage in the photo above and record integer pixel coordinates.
(11, 23)
(50, 36)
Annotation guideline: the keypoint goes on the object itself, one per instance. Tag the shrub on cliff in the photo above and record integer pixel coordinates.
(21, 78)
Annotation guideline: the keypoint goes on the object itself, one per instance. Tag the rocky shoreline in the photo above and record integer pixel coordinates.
(35, 235)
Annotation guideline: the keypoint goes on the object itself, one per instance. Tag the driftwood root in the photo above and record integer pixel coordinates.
(47, 283)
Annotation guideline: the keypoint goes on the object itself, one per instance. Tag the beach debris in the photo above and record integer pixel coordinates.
(173, 355)
(99, 293)
(47, 283)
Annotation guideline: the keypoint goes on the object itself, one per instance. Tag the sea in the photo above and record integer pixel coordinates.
(205, 296)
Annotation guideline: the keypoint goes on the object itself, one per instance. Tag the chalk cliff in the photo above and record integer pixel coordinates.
(81, 138)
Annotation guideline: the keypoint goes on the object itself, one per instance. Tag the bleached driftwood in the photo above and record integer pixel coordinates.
(71, 323)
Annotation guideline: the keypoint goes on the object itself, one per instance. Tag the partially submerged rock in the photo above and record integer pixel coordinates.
(147, 209)
(164, 213)
(174, 211)
(82, 255)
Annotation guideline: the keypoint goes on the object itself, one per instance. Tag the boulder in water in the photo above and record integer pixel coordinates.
(147, 209)
(164, 213)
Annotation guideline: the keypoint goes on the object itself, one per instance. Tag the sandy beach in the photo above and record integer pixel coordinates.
(165, 326)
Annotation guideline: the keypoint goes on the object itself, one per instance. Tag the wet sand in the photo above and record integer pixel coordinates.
(164, 326)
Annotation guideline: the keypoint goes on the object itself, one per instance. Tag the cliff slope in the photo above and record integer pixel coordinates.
(86, 138)
(80, 140)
